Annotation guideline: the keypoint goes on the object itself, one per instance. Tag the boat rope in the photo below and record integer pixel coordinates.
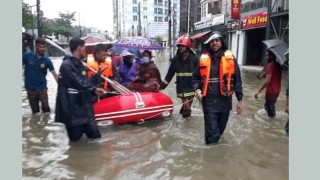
(180, 104)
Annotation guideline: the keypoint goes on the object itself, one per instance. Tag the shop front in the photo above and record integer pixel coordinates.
(254, 28)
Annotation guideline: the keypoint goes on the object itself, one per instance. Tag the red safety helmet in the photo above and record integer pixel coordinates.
(184, 40)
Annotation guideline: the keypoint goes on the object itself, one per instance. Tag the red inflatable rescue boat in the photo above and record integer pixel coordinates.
(133, 107)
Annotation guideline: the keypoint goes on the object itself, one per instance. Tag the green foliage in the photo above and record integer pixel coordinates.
(61, 25)
(28, 19)
(159, 39)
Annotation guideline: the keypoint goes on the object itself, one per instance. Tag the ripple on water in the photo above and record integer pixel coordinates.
(253, 146)
(44, 147)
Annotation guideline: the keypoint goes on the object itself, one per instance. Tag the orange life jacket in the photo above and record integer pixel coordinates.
(226, 72)
(96, 66)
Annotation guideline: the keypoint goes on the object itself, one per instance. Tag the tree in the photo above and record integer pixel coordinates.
(159, 39)
(28, 19)
(61, 25)
(49, 26)
(64, 23)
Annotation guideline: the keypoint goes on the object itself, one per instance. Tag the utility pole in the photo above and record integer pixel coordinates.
(139, 19)
(174, 23)
(39, 19)
(238, 36)
(169, 38)
(188, 17)
(267, 33)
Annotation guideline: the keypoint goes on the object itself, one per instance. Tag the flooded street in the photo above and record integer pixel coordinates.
(253, 145)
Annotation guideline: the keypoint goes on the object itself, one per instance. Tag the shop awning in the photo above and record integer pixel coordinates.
(199, 35)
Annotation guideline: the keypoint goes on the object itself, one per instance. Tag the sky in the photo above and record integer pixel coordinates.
(97, 13)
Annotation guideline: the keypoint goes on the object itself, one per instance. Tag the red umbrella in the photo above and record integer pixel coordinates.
(92, 41)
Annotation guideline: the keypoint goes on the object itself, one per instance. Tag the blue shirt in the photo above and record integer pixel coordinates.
(35, 71)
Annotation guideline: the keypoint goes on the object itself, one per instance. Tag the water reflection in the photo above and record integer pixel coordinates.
(254, 146)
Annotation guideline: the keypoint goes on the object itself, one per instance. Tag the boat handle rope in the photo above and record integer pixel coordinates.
(143, 121)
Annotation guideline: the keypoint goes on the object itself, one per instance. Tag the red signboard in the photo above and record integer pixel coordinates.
(256, 20)
(235, 9)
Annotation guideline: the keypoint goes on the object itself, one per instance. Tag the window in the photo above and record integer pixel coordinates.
(258, 4)
(160, 19)
(160, 11)
(160, 2)
(145, 0)
(175, 6)
(203, 10)
(145, 8)
(166, 3)
(135, 9)
(155, 19)
(135, 18)
(198, 14)
(166, 12)
(252, 5)
(155, 2)
(134, 1)
(214, 7)
(145, 17)
(155, 10)
(166, 19)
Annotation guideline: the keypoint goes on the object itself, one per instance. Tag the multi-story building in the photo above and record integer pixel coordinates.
(254, 29)
(127, 16)
(192, 11)
(213, 13)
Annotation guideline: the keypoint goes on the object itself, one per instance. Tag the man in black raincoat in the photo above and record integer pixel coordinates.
(217, 105)
(74, 106)
(182, 66)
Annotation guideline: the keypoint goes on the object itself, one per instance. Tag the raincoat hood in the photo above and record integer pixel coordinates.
(214, 35)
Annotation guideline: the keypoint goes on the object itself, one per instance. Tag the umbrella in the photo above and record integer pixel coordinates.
(278, 48)
(93, 40)
(138, 43)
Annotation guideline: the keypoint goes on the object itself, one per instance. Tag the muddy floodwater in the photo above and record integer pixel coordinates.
(254, 146)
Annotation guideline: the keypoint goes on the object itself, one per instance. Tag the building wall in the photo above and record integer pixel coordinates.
(242, 47)
(213, 13)
(158, 29)
(151, 11)
(195, 15)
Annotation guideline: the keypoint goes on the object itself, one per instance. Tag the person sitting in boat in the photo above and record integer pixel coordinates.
(99, 60)
(128, 67)
(148, 75)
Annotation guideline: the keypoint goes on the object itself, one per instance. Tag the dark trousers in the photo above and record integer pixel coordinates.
(186, 107)
(39, 95)
(214, 124)
(90, 129)
(269, 106)
(287, 127)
